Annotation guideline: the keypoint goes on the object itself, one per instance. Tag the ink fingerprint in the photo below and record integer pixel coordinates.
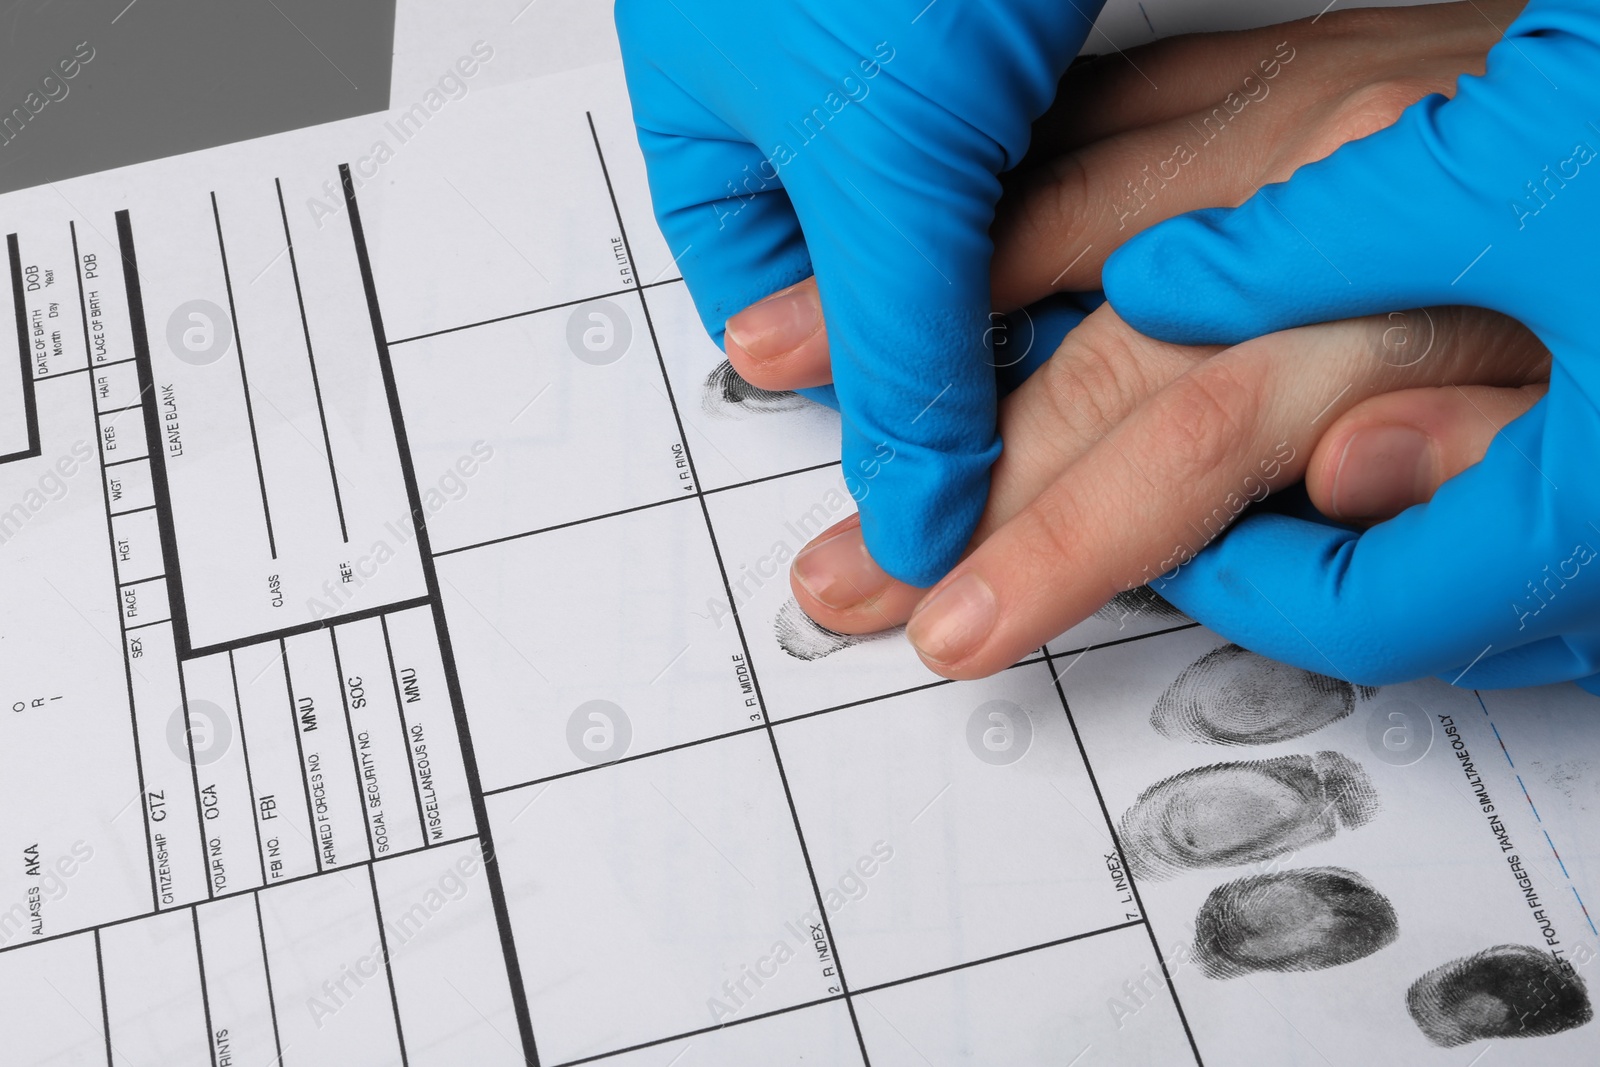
(1231, 813)
(1504, 991)
(1299, 920)
(726, 395)
(1136, 603)
(1233, 697)
(804, 638)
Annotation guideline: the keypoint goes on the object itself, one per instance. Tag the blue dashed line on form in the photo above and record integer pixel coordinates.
(1529, 799)
(1558, 855)
(1502, 743)
(1585, 908)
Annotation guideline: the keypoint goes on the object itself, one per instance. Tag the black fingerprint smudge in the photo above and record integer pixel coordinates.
(725, 394)
(1298, 920)
(1233, 697)
(1141, 601)
(804, 638)
(1504, 991)
(1226, 814)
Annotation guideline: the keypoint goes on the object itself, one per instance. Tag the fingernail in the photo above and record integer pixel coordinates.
(777, 325)
(955, 621)
(838, 571)
(1383, 471)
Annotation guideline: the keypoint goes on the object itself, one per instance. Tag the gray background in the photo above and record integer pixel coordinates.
(171, 76)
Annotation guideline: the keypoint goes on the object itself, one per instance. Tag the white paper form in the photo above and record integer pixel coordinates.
(398, 666)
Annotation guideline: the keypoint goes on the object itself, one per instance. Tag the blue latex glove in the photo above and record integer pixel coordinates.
(862, 142)
(1491, 199)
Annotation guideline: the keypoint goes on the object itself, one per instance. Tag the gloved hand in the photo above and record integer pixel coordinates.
(860, 142)
(1492, 199)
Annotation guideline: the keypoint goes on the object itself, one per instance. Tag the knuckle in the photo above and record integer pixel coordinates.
(1099, 375)
(1046, 209)
(1204, 417)
(1361, 23)
(1048, 531)
(1360, 112)
(1368, 108)
(1036, 219)
(1069, 197)
(1084, 384)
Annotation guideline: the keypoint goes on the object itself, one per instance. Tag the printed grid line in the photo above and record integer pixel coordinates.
(194, 778)
(441, 625)
(231, 894)
(388, 968)
(532, 311)
(244, 380)
(1116, 841)
(725, 735)
(1036, 657)
(205, 991)
(160, 490)
(716, 550)
(300, 754)
(311, 358)
(266, 971)
(30, 410)
(249, 778)
(862, 991)
(105, 1005)
(629, 510)
(405, 727)
(122, 622)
